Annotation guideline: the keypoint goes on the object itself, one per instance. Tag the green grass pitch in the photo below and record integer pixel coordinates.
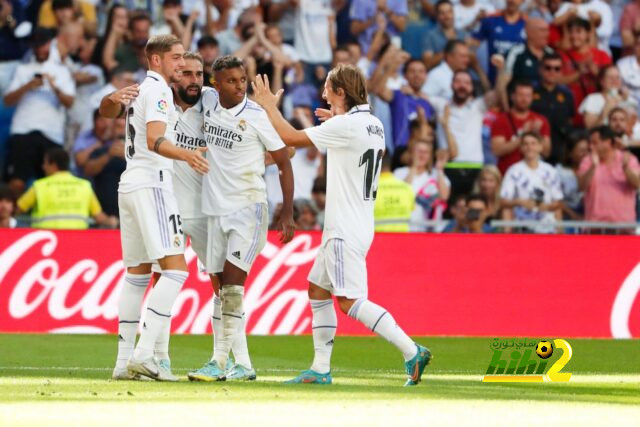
(64, 380)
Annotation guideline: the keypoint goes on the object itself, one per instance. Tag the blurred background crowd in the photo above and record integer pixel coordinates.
(499, 115)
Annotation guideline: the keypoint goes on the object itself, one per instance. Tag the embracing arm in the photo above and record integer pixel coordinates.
(158, 143)
(286, 224)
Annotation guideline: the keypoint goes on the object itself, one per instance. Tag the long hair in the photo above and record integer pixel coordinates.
(495, 172)
(352, 81)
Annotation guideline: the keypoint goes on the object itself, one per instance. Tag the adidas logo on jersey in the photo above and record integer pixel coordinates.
(207, 114)
(236, 254)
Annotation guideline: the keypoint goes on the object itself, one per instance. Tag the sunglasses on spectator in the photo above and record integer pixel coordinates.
(552, 68)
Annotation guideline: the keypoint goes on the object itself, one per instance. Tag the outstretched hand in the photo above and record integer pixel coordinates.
(125, 95)
(262, 92)
(197, 161)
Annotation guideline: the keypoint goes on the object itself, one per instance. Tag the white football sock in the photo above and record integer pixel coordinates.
(382, 323)
(323, 328)
(216, 324)
(161, 351)
(239, 346)
(231, 296)
(131, 296)
(161, 300)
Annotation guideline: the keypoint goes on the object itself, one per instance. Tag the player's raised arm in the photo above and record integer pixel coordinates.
(269, 101)
(161, 145)
(115, 104)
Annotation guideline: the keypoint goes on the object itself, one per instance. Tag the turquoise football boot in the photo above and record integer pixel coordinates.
(415, 367)
(238, 372)
(209, 372)
(311, 377)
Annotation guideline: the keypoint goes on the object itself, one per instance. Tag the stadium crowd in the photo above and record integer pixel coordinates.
(493, 109)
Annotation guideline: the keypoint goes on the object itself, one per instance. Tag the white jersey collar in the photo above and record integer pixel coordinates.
(236, 109)
(362, 108)
(156, 76)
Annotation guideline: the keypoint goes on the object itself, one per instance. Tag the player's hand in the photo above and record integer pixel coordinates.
(262, 93)
(323, 114)
(125, 95)
(286, 226)
(196, 160)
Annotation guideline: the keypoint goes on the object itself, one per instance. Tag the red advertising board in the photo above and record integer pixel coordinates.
(484, 285)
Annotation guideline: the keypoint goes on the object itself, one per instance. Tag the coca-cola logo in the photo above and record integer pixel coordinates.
(82, 296)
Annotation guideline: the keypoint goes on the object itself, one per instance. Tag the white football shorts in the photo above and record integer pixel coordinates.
(238, 237)
(196, 229)
(340, 270)
(149, 226)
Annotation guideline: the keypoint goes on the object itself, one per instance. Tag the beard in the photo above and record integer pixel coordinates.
(461, 96)
(189, 99)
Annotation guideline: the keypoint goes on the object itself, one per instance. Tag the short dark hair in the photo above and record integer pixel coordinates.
(61, 4)
(450, 46)
(516, 83)
(604, 131)
(319, 185)
(531, 134)
(207, 41)
(467, 72)
(6, 193)
(406, 65)
(574, 138)
(171, 3)
(578, 22)
(138, 15)
(550, 56)
(59, 157)
(440, 3)
(227, 62)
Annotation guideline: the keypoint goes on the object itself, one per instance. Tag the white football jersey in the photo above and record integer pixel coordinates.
(355, 145)
(237, 139)
(186, 132)
(145, 168)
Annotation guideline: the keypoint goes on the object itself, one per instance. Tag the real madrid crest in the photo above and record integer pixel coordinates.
(242, 125)
(177, 241)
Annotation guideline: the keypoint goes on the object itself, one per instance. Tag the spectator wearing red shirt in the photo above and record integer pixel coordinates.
(629, 25)
(609, 178)
(509, 125)
(581, 63)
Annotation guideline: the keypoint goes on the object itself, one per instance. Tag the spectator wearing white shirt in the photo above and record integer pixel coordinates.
(531, 188)
(456, 57)
(430, 184)
(315, 36)
(41, 92)
(629, 67)
(468, 13)
(459, 132)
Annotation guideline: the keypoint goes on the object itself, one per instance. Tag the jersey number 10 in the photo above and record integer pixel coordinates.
(371, 170)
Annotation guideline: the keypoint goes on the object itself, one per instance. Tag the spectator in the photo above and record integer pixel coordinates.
(629, 67)
(307, 215)
(577, 149)
(90, 140)
(120, 78)
(62, 201)
(629, 26)
(469, 215)
(468, 14)
(531, 188)
(430, 185)
(118, 21)
(522, 61)
(405, 103)
(596, 12)
(501, 31)
(436, 39)
(7, 207)
(209, 50)
(609, 178)
(319, 197)
(508, 127)
(67, 44)
(56, 13)
(282, 12)
(363, 14)
(459, 132)
(12, 46)
(582, 63)
(597, 106)
(128, 54)
(456, 58)
(488, 186)
(232, 39)
(419, 130)
(176, 22)
(315, 37)
(555, 102)
(104, 166)
(626, 128)
(41, 91)
(395, 201)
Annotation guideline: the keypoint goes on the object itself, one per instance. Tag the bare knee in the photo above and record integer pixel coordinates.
(345, 304)
(318, 293)
(173, 262)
